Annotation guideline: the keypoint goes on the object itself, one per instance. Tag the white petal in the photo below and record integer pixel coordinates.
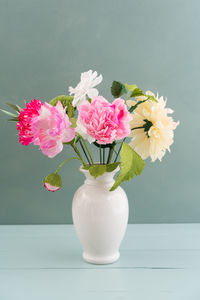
(97, 80)
(71, 90)
(85, 75)
(92, 93)
(94, 75)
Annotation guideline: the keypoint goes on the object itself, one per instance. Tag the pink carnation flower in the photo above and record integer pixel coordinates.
(51, 128)
(104, 121)
(25, 119)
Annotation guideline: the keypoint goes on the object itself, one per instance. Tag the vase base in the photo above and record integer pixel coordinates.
(101, 260)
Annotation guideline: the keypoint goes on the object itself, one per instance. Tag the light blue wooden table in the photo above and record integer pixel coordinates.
(158, 262)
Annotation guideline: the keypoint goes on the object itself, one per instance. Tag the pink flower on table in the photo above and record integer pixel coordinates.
(51, 128)
(25, 119)
(104, 121)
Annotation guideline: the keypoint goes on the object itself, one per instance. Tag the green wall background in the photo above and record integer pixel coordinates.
(46, 44)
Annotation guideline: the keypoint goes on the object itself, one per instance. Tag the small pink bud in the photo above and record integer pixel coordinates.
(51, 188)
(53, 182)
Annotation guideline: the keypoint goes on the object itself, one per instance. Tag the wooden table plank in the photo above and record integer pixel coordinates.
(58, 247)
(158, 262)
(101, 284)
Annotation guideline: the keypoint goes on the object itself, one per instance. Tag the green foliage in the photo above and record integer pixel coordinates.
(66, 102)
(132, 108)
(151, 98)
(111, 167)
(147, 125)
(73, 122)
(86, 167)
(137, 92)
(14, 107)
(9, 113)
(98, 170)
(118, 89)
(14, 119)
(130, 87)
(53, 179)
(130, 164)
(70, 110)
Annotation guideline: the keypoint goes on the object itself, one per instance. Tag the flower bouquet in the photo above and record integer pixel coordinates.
(134, 126)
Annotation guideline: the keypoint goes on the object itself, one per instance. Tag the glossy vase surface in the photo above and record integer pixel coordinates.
(100, 218)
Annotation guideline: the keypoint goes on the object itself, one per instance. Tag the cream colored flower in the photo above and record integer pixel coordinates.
(152, 130)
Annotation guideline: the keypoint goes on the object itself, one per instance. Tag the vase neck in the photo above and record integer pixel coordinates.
(105, 180)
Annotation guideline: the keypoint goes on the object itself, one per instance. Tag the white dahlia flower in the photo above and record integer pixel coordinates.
(85, 87)
(152, 130)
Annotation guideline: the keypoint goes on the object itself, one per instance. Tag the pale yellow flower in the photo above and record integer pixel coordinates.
(157, 133)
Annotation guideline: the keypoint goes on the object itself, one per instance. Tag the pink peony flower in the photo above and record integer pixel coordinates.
(104, 121)
(51, 128)
(25, 119)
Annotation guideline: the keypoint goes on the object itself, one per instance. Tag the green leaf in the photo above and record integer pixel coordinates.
(86, 167)
(9, 113)
(118, 89)
(73, 122)
(131, 164)
(112, 167)
(14, 106)
(64, 99)
(53, 179)
(105, 168)
(134, 89)
(66, 102)
(70, 110)
(97, 170)
(151, 98)
(15, 119)
(130, 87)
(137, 92)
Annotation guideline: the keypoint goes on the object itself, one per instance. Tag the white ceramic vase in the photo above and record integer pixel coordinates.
(100, 218)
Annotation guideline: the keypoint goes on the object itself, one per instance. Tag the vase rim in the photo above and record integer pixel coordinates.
(106, 176)
(84, 170)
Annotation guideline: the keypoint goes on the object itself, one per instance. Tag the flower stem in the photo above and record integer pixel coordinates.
(78, 153)
(119, 150)
(111, 151)
(87, 149)
(100, 154)
(84, 152)
(103, 155)
(64, 162)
